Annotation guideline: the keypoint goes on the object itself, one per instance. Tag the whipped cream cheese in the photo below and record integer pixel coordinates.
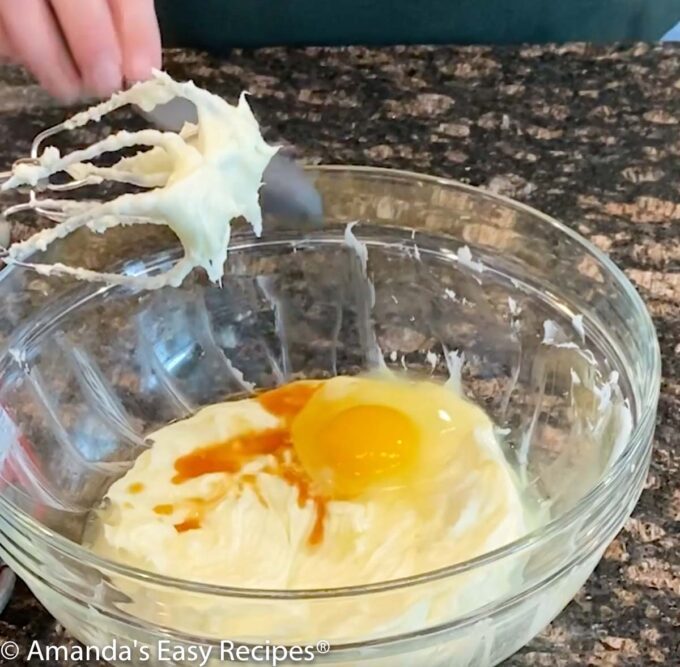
(199, 180)
(257, 528)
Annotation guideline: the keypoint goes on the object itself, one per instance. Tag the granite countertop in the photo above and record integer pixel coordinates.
(590, 135)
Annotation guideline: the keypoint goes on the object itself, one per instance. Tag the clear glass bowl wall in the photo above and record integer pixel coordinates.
(88, 371)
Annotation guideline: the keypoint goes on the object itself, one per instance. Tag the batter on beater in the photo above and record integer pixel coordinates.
(198, 180)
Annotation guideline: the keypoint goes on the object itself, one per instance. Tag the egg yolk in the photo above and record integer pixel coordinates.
(363, 446)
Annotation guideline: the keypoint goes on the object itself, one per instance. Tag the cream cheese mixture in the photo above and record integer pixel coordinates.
(348, 481)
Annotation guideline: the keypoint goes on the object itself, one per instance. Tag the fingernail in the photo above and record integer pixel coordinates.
(105, 78)
(139, 68)
(65, 89)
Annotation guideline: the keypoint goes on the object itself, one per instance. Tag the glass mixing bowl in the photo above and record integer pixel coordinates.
(558, 348)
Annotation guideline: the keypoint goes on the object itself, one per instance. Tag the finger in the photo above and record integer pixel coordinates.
(91, 36)
(5, 44)
(38, 44)
(139, 36)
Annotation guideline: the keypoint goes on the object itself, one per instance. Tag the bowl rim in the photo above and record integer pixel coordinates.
(639, 441)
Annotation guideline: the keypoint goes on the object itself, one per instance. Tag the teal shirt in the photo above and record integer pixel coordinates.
(218, 25)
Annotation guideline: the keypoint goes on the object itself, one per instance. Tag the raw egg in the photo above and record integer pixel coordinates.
(338, 439)
(355, 434)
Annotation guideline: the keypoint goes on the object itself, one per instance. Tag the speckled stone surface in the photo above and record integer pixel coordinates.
(590, 135)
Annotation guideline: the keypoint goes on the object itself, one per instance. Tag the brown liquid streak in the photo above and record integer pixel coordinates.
(192, 523)
(230, 456)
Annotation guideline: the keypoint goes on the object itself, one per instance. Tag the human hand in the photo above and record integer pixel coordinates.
(76, 48)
